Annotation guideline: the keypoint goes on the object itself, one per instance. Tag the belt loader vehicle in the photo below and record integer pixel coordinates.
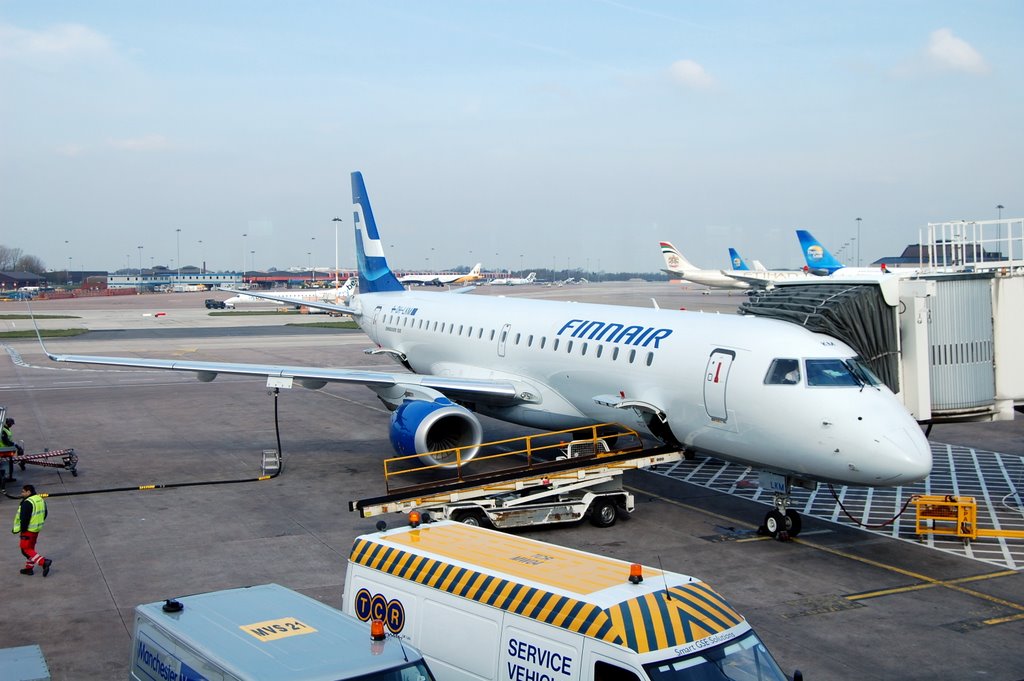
(264, 632)
(483, 605)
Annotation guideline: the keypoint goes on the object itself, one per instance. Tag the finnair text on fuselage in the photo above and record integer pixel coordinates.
(613, 332)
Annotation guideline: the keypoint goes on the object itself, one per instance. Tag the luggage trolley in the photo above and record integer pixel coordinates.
(10, 456)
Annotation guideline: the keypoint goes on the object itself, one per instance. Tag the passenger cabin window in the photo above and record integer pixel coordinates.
(517, 338)
(783, 372)
(830, 373)
(568, 346)
(543, 341)
(650, 358)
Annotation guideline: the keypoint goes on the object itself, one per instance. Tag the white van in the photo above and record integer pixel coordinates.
(264, 632)
(485, 605)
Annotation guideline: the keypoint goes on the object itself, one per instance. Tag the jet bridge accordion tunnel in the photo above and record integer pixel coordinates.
(855, 314)
(932, 340)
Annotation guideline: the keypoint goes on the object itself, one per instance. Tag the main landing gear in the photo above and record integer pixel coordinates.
(782, 522)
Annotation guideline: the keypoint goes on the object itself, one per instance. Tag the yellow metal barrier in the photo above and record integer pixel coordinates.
(511, 454)
(953, 516)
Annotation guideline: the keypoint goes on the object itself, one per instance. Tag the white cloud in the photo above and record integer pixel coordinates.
(690, 74)
(61, 39)
(145, 143)
(947, 51)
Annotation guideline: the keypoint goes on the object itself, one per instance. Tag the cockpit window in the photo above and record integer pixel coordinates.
(783, 372)
(860, 370)
(830, 372)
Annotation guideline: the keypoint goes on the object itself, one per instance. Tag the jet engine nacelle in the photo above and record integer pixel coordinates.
(422, 426)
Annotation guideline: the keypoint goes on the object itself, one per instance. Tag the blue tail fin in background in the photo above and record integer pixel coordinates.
(817, 256)
(737, 262)
(374, 274)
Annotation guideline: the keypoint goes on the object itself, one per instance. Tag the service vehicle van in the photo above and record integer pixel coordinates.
(264, 632)
(485, 605)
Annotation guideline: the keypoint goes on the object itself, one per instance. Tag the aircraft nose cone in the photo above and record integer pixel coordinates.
(910, 455)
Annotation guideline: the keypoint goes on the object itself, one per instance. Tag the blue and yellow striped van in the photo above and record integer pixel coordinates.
(482, 604)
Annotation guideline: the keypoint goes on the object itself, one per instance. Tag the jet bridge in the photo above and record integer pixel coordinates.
(945, 336)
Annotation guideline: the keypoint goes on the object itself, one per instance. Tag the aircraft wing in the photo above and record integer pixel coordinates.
(316, 304)
(382, 382)
(751, 279)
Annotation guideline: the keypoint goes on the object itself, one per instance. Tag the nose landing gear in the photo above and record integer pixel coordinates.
(782, 522)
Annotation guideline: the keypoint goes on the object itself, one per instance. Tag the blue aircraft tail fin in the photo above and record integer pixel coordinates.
(738, 263)
(816, 255)
(374, 274)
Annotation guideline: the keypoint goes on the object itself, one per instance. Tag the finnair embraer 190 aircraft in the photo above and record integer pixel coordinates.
(797, 406)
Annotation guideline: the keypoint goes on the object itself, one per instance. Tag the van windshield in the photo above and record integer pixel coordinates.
(417, 671)
(742, 659)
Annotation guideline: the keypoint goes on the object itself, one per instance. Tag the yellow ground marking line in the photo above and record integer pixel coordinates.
(919, 587)
(928, 581)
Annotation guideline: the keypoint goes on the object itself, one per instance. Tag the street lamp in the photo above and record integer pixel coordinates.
(312, 246)
(336, 221)
(999, 227)
(140, 268)
(202, 261)
(244, 235)
(177, 238)
(69, 271)
(858, 242)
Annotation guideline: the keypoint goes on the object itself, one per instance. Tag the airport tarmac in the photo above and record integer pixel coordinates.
(838, 603)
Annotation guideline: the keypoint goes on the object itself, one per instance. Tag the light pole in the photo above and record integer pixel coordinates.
(337, 222)
(858, 242)
(312, 246)
(140, 268)
(177, 238)
(522, 272)
(202, 262)
(69, 271)
(244, 235)
(999, 228)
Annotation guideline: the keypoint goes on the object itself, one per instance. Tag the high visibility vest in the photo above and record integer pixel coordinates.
(8, 436)
(35, 523)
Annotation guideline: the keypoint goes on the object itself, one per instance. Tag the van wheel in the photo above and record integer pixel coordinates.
(603, 513)
(474, 518)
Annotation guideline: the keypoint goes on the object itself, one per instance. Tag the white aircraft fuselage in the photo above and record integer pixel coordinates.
(705, 373)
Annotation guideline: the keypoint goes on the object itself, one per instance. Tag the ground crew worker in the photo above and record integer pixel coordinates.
(28, 521)
(7, 437)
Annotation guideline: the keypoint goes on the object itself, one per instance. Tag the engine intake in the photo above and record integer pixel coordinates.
(421, 427)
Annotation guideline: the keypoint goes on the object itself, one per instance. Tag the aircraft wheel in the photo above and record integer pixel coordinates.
(474, 518)
(603, 513)
(775, 523)
(793, 522)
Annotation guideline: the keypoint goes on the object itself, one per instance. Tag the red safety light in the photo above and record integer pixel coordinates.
(377, 630)
(636, 573)
(414, 518)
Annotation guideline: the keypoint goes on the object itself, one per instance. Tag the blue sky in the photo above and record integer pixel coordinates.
(512, 133)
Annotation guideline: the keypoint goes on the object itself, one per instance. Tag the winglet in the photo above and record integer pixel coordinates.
(39, 335)
(374, 274)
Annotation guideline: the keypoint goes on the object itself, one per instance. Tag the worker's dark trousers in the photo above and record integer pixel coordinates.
(28, 549)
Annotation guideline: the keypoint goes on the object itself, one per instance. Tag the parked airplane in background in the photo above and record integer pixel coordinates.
(739, 264)
(516, 281)
(677, 265)
(797, 406)
(339, 294)
(443, 279)
(822, 263)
